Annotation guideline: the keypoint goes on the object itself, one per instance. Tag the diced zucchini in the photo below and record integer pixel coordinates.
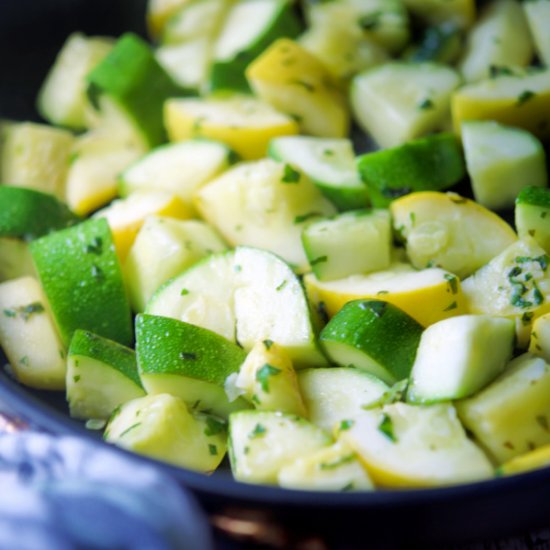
(268, 380)
(336, 395)
(521, 100)
(334, 468)
(244, 123)
(400, 101)
(532, 214)
(374, 336)
(28, 335)
(411, 446)
(261, 443)
(126, 216)
(427, 295)
(502, 161)
(248, 295)
(520, 426)
(82, 279)
(514, 284)
(441, 43)
(161, 427)
(250, 27)
(329, 163)
(97, 158)
(62, 99)
(500, 38)
(359, 241)
(538, 18)
(101, 376)
(163, 248)
(459, 356)
(28, 214)
(159, 12)
(187, 361)
(444, 229)
(433, 163)
(264, 204)
(195, 19)
(180, 168)
(124, 78)
(36, 156)
(296, 83)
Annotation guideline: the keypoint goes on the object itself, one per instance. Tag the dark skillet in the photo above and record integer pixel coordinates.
(31, 32)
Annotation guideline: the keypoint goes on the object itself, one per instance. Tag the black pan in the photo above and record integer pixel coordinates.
(31, 33)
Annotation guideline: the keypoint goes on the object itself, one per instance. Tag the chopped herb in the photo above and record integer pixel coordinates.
(281, 286)
(531, 232)
(524, 97)
(527, 317)
(322, 312)
(319, 260)
(386, 427)
(328, 153)
(451, 306)
(514, 272)
(95, 247)
(97, 273)
(508, 445)
(212, 449)
(346, 425)
(305, 217)
(498, 70)
(258, 431)
(188, 356)
(382, 292)
(412, 217)
(246, 450)
(306, 85)
(214, 426)
(256, 400)
(184, 292)
(237, 268)
(264, 373)
(24, 360)
(25, 312)
(370, 21)
(395, 192)
(337, 463)
(453, 282)
(426, 104)
(132, 427)
(396, 393)
(349, 487)
(267, 344)
(76, 378)
(542, 421)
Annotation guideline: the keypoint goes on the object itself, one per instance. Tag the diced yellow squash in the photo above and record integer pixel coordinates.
(539, 344)
(444, 229)
(295, 82)
(521, 100)
(525, 463)
(428, 295)
(126, 216)
(244, 123)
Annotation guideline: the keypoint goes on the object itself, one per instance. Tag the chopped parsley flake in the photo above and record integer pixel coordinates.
(281, 286)
(337, 463)
(214, 426)
(95, 247)
(264, 374)
(188, 356)
(525, 96)
(386, 427)
(451, 306)
(258, 431)
(319, 260)
(184, 292)
(305, 217)
(542, 421)
(290, 175)
(212, 449)
(426, 104)
(346, 425)
(25, 312)
(267, 344)
(453, 282)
